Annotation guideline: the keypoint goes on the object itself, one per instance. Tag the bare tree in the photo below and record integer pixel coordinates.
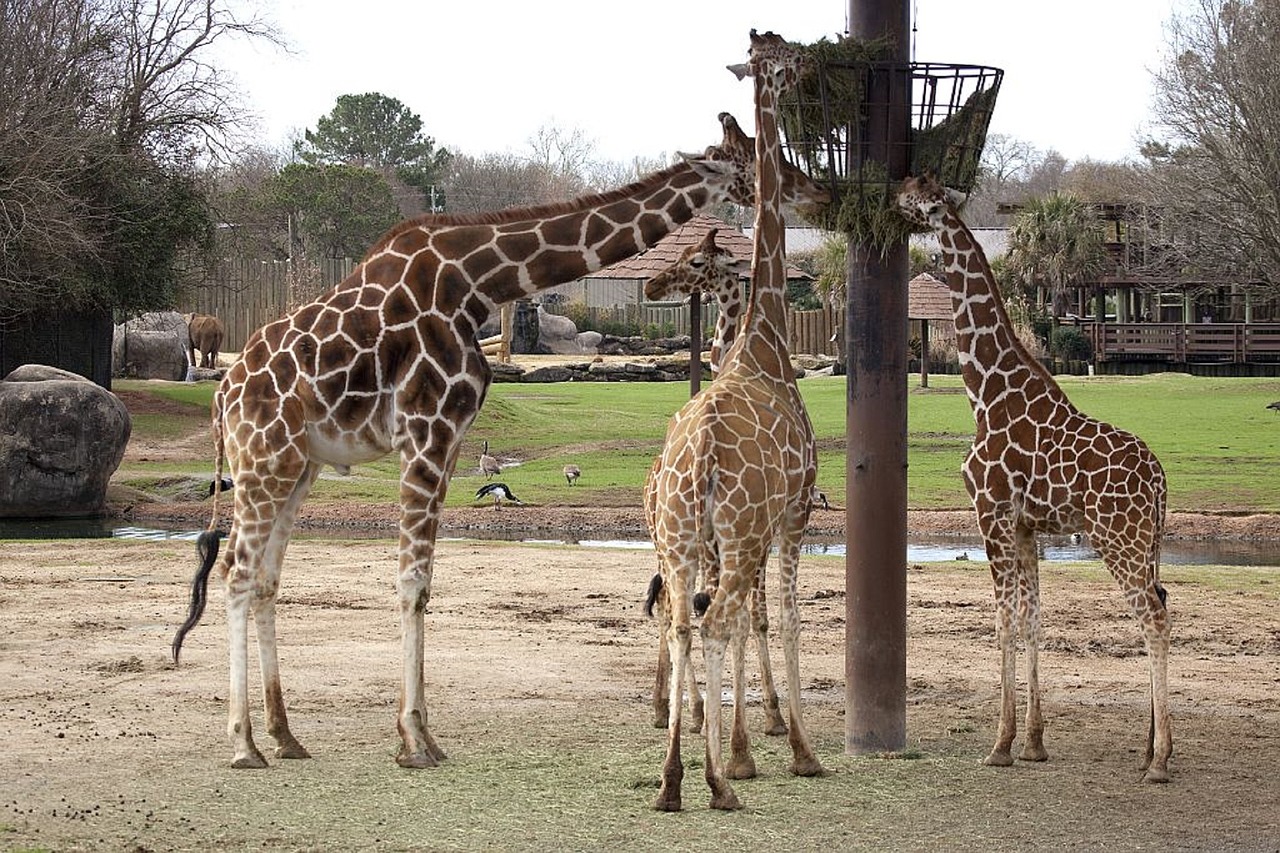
(1215, 174)
(169, 95)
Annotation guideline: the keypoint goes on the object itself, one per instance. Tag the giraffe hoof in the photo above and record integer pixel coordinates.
(252, 761)
(807, 767)
(1030, 753)
(998, 758)
(743, 768)
(775, 728)
(725, 800)
(416, 760)
(292, 750)
(1158, 775)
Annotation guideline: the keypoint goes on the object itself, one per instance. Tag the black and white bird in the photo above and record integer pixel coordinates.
(225, 486)
(816, 497)
(499, 492)
(1275, 405)
(489, 465)
(572, 473)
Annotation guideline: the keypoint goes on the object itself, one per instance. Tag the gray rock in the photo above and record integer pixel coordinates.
(61, 439)
(152, 346)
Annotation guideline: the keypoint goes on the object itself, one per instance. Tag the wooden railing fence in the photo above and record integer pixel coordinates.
(1237, 343)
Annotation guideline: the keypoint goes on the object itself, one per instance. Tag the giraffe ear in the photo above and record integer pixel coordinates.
(740, 70)
(711, 168)
(956, 198)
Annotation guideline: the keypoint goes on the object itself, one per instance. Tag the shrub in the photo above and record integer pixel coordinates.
(1071, 344)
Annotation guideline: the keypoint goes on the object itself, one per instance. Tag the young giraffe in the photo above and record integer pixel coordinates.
(388, 361)
(736, 474)
(1038, 465)
(706, 268)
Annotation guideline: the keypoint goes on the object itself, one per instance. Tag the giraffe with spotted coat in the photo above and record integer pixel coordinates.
(1039, 465)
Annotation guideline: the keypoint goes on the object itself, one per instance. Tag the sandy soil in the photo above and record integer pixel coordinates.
(538, 657)
(108, 746)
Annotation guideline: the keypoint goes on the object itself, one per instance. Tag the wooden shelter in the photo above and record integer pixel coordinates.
(928, 299)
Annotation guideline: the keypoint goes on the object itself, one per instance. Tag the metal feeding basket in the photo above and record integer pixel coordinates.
(858, 126)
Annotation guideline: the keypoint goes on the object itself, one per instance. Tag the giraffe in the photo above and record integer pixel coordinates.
(388, 361)
(706, 268)
(736, 474)
(1038, 465)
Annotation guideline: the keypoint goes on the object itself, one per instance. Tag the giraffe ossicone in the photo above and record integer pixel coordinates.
(1039, 465)
(736, 474)
(387, 361)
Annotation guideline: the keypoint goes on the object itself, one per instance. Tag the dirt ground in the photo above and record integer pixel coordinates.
(539, 655)
(539, 667)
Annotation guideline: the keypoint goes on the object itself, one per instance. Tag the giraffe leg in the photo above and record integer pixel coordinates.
(741, 765)
(713, 647)
(678, 638)
(661, 689)
(803, 760)
(1029, 620)
(423, 480)
(264, 613)
(245, 754)
(1155, 629)
(774, 723)
(1000, 539)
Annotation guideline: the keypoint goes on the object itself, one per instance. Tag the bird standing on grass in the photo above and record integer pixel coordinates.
(572, 473)
(489, 465)
(499, 492)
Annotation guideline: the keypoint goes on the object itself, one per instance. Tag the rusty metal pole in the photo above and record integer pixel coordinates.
(876, 427)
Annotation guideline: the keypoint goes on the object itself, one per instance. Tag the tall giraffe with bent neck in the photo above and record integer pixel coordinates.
(1038, 465)
(736, 474)
(388, 361)
(705, 268)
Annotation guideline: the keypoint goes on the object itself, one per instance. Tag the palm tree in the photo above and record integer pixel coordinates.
(1055, 244)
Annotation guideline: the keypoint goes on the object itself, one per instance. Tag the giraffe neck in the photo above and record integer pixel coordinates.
(726, 324)
(486, 260)
(764, 334)
(992, 359)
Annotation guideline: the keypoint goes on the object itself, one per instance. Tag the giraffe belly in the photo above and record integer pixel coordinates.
(339, 448)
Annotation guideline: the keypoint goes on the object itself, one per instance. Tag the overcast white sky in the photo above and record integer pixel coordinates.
(649, 78)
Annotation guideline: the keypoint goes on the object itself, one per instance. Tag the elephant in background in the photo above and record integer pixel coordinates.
(206, 333)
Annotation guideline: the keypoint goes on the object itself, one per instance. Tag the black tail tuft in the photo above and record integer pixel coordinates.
(701, 602)
(655, 589)
(207, 548)
(1164, 595)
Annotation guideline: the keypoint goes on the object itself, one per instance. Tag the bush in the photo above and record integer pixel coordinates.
(1071, 344)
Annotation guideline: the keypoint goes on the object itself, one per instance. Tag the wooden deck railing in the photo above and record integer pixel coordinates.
(1185, 342)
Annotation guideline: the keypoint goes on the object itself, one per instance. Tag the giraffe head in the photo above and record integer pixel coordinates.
(736, 156)
(924, 201)
(704, 267)
(772, 60)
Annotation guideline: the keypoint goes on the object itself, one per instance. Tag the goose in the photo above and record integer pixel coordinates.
(499, 492)
(572, 473)
(489, 465)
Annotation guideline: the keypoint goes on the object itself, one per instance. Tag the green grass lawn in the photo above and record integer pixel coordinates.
(1218, 442)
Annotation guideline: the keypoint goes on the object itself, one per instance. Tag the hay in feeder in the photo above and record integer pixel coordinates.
(826, 122)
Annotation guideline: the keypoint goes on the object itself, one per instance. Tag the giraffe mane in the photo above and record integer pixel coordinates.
(521, 214)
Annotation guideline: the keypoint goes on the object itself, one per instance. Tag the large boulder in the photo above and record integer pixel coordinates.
(61, 439)
(560, 336)
(152, 346)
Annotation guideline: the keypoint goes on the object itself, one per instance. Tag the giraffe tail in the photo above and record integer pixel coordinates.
(207, 548)
(220, 483)
(651, 597)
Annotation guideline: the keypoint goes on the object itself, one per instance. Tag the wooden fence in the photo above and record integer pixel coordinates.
(248, 294)
(1190, 343)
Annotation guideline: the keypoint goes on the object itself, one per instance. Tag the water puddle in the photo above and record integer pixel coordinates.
(919, 549)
